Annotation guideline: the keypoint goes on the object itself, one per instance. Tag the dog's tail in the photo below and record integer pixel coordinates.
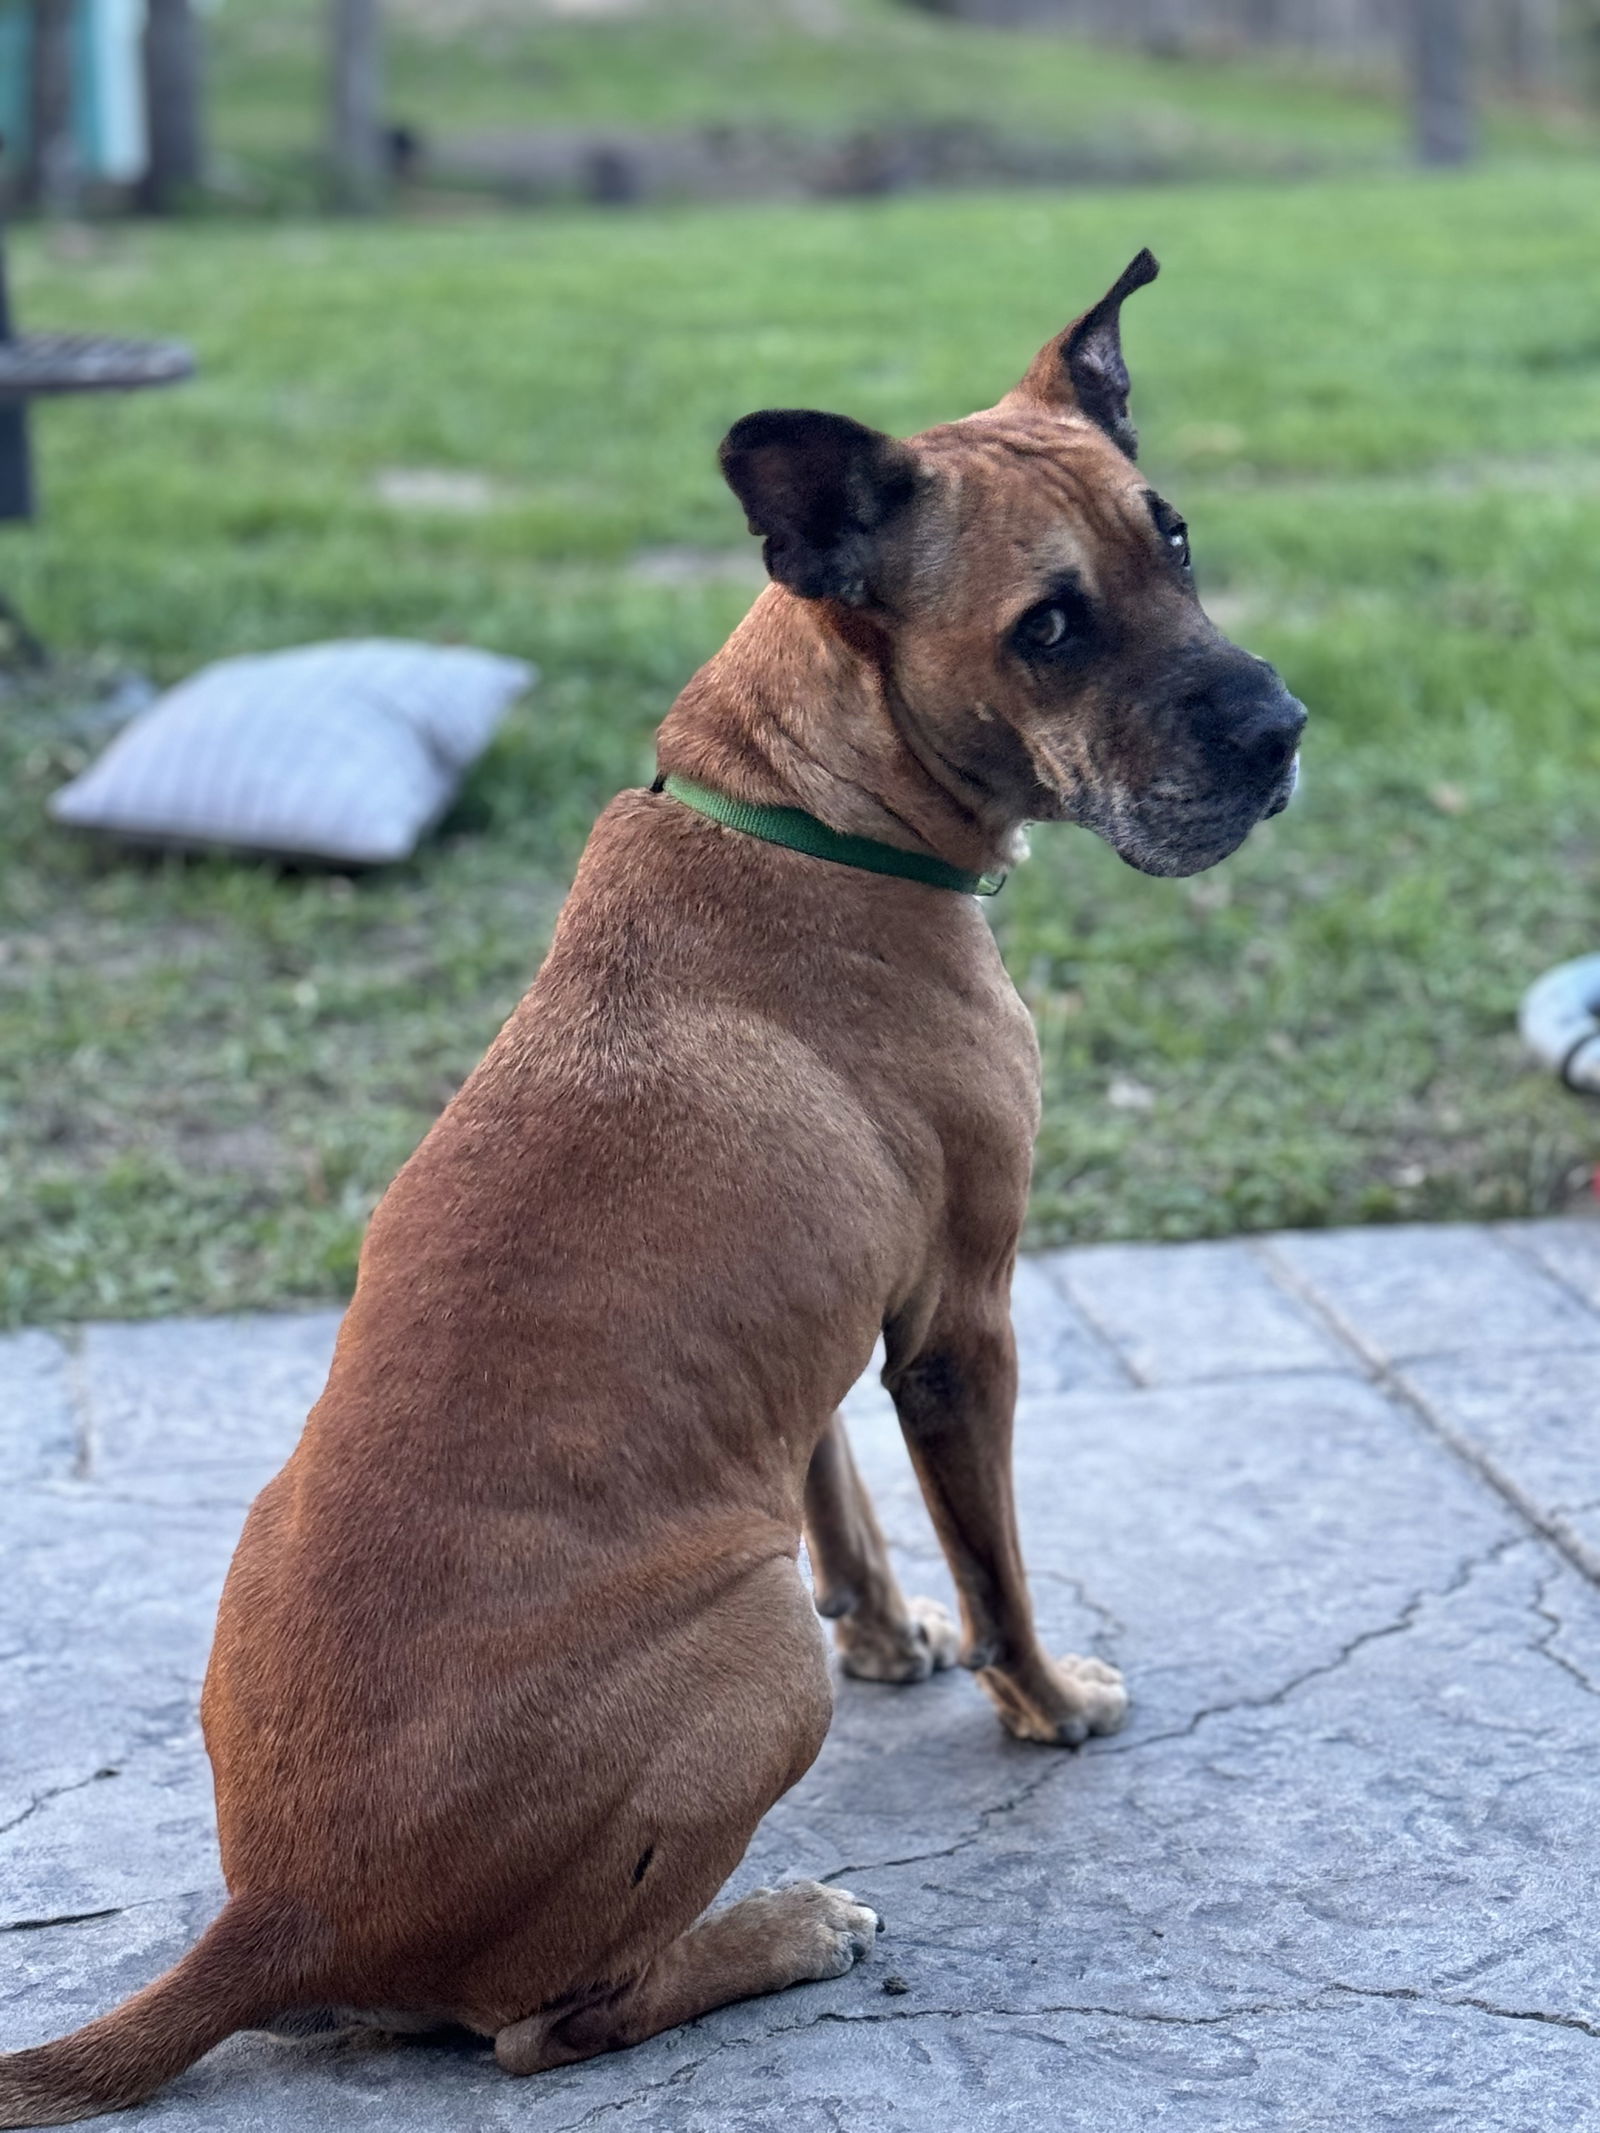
(251, 1962)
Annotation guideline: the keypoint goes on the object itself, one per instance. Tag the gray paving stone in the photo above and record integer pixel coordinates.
(1178, 1314)
(1057, 1348)
(38, 1419)
(1569, 1249)
(1426, 1289)
(1534, 1420)
(186, 1410)
(105, 1624)
(1339, 1872)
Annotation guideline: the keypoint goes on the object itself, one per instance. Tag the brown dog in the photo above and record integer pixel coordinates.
(515, 1652)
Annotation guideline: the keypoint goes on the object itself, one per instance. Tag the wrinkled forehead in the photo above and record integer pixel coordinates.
(1022, 499)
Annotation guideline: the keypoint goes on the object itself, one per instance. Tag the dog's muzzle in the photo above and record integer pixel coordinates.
(1290, 786)
(1237, 762)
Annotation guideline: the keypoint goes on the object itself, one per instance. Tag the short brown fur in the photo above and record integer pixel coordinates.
(515, 1652)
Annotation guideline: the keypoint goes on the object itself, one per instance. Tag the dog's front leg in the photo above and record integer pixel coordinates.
(880, 1634)
(768, 1941)
(955, 1394)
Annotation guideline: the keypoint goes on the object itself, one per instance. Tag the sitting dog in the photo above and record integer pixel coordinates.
(515, 1652)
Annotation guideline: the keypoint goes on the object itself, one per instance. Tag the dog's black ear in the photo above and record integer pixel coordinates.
(821, 489)
(1083, 368)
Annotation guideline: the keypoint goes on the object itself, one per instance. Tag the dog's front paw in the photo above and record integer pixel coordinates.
(822, 1931)
(875, 1650)
(1059, 1701)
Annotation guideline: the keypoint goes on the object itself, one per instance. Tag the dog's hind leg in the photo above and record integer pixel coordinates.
(765, 1943)
(881, 1636)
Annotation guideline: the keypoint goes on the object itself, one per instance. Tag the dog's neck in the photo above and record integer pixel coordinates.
(797, 710)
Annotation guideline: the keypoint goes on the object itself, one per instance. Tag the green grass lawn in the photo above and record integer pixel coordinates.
(822, 68)
(1378, 403)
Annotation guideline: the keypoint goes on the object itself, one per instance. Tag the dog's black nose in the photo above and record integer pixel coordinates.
(1268, 733)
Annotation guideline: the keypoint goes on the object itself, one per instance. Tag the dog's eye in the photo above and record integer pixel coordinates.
(1057, 624)
(1171, 529)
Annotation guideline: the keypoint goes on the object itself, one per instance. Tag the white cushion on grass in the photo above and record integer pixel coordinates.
(345, 752)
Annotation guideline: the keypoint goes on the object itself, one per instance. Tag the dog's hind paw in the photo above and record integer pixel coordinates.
(872, 1649)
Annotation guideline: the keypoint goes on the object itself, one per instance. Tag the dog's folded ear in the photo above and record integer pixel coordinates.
(1083, 368)
(822, 490)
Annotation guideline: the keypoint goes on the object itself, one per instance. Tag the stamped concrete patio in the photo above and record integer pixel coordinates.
(1332, 1500)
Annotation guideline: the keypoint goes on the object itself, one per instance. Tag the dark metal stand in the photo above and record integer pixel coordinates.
(33, 364)
(16, 460)
(19, 647)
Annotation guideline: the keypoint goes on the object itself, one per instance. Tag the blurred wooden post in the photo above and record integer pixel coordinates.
(50, 180)
(175, 156)
(356, 114)
(1441, 81)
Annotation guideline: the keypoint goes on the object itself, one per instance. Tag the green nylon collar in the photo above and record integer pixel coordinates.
(800, 832)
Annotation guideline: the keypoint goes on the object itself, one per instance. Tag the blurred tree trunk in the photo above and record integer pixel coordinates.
(175, 157)
(1582, 26)
(1525, 58)
(1441, 81)
(356, 98)
(50, 180)
(1166, 23)
(1263, 21)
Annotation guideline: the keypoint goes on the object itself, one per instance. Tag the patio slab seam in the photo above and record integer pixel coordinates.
(1388, 1377)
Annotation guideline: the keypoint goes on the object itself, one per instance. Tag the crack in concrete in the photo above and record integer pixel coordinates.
(1545, 1645)
(1111, 1625)
(975, 1835)
(1488, 2007)
(1061, 1762)
(115, 1910)
(1310, 2003)
(67, 1918)
(55, 1792)
(1324, 2000)
(1404, 1620)
(1162, 2017)
(679, 2074)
